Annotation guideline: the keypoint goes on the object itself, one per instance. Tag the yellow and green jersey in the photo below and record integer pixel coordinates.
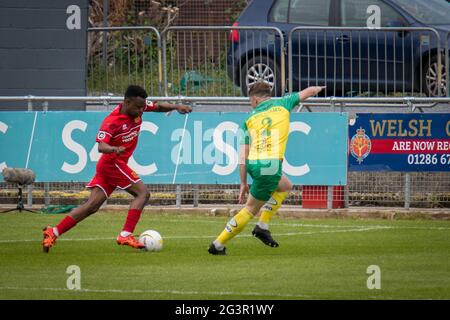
(267, 127)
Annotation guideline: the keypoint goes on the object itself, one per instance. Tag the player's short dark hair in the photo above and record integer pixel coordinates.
(260, 89)
(135, 91)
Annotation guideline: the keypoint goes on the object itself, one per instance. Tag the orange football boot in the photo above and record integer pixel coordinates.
(49, 239)
(130, 241)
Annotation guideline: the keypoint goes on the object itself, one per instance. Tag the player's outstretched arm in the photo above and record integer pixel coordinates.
(167, 107)
(309, 92)
(106, 148)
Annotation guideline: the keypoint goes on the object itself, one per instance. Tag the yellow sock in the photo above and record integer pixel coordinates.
(235, 226)
(272, 206)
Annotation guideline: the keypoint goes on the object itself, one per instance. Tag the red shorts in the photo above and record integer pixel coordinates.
(112, 176)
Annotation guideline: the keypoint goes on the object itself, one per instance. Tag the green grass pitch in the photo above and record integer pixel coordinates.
(317, 259)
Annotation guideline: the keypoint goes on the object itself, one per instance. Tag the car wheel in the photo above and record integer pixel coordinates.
(430, 84)
(261, 69)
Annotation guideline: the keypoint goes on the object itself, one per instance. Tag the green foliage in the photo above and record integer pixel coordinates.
(235, 9)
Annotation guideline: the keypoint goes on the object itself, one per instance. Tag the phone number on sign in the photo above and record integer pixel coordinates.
(427, 159)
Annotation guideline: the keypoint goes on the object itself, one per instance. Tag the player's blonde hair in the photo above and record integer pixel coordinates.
(260, 89)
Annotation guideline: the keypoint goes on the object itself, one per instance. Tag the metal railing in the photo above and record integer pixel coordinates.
(332, 103)
(130, 55)
(364, 189)
(354, 61)
(210, 61)
(221, 60)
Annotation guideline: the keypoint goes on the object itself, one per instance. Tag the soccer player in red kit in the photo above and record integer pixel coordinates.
(117, 139)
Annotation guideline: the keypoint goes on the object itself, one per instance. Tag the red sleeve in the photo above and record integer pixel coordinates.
(106, 132)
(151, 106)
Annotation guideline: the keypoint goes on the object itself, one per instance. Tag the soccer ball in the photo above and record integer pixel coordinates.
(152, 240)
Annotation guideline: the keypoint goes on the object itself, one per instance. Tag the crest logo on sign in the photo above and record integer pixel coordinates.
(360, 145)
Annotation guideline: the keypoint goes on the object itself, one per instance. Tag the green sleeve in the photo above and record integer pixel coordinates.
(245, 138)
(291, 101)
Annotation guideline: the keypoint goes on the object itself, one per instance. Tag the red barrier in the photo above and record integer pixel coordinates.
(316, 197)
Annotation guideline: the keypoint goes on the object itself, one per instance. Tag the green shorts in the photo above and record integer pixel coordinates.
(266, 175)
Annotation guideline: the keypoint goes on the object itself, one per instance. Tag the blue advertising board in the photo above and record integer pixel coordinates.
(400, 142)
(196, 148)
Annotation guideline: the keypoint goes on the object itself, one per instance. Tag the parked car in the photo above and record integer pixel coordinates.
(347, 62)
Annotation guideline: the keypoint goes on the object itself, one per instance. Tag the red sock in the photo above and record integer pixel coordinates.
(132, 220)
(65, 225)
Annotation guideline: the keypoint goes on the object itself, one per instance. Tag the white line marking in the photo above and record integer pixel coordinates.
(177, 292)
(279, 234)
(305, 225)
(369, 226)
(335, 231)
(356, 228)
(179, 150)
(207, 237)
(31, 140)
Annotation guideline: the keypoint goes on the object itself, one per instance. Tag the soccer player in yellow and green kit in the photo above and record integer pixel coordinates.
(263, 145)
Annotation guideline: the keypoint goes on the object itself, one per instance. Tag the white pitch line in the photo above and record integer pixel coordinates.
(335, 231)
(276, 234)
(324, 226)
(287, 224)
(369, 226)
(207, 237)
(352, 229)
(176, 292)
(179, 292)
(189, 220)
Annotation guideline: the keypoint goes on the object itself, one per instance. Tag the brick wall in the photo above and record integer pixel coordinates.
(199, 12)
(207, 47)
(209, 13)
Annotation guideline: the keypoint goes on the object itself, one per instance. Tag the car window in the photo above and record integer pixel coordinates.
(310, 12)
(427, 11)
(279, 11)
(354, 13)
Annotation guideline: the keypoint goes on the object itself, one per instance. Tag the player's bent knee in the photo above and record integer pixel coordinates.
(285, 186)
(144, 195)
(93, 207)
(290, 186)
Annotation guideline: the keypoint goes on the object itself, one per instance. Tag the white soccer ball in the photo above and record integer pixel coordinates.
(152, 240)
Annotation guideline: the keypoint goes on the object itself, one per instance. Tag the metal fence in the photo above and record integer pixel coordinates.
(364, 61)
(372, 104)
(208, 61)
(364, 189)
(222, 61)
(118, 56)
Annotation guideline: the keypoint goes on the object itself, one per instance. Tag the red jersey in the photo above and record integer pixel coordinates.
(120, 130)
